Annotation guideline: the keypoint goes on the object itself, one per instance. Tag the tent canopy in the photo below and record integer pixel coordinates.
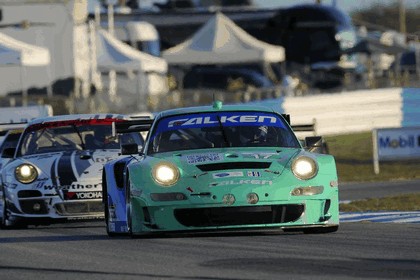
(15, 52)
(221, 41)
(113, 54)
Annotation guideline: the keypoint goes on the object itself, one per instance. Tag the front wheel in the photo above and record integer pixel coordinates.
(106, 207)
(6, 221)
(128, 207)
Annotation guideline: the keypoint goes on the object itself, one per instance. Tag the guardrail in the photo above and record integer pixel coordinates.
(354, 111)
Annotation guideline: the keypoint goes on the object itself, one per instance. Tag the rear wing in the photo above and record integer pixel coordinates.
(303, 127)
(307, 134)
(136, 125)
(300, 127)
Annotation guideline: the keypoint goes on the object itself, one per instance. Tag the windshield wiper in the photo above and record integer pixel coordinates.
(223, 132)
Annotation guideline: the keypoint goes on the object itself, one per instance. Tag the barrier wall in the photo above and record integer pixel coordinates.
(355, 111)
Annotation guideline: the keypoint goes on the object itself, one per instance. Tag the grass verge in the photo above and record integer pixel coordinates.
(406, 202)
(354, 158)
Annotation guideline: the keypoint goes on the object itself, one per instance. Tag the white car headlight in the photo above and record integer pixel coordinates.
(304, 168)
(165, 174)
(26, 173)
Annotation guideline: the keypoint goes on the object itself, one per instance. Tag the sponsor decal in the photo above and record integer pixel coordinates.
(45, 156)
(211, 119)
(193, 159)
(102, 159)
(400, 142)
(253, 174)
(258, 155)
(223, 119)
(81, 195)
(228, 174)
(70, 187)
(242, 182)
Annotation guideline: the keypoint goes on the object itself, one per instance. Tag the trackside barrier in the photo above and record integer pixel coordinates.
(354, 111)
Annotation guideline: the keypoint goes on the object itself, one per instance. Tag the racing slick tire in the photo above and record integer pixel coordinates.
(6, 222)
(106, 208)
(109, 233)
(128, 207)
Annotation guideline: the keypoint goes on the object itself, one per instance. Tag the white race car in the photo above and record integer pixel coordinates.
(55, 172)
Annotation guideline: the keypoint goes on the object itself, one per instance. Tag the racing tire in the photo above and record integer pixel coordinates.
(109, 233)
(106, 207)
(320, 230)
(128, 207)
(6, 223)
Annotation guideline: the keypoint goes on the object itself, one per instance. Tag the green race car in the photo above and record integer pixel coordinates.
(220, 167)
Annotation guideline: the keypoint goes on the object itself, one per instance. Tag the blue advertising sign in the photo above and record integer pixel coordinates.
(395, 144)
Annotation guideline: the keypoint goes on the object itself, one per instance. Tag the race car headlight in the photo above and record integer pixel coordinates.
(304, 168)
(165, 174)
(26, 173)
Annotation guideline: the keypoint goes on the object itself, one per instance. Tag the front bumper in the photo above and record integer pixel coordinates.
(32, 204)
(275, 214)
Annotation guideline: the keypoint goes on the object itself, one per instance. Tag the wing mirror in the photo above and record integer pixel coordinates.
(129, 149)
(8, 153)
(316, 144)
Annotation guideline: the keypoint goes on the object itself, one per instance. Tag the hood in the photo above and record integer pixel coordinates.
(218, 164)
(70, 168)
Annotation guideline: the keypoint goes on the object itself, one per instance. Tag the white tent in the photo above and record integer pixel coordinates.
(113, 54)
(15, 52)
(221, 41)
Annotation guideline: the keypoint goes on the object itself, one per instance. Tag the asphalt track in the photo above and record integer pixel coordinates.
(359, 250)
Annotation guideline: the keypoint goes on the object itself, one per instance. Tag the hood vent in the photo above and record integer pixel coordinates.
(234, 165)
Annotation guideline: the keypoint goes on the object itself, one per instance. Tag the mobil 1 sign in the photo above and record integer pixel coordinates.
(395, 144)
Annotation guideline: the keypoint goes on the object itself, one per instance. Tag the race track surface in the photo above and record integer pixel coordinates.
(360, 250)
(367, 246)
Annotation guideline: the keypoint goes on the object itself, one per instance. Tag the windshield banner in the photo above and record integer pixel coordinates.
(219, 119)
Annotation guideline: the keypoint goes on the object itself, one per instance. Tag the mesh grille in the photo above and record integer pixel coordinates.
(79, 208)
(235, 165)
(245, 215)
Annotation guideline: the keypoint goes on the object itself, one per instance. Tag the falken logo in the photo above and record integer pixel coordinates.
(83, 195)
(223, 120)
(242, 182)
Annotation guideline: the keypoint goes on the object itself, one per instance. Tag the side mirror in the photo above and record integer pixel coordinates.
(8, 153)
(316, 144)
(129, 149)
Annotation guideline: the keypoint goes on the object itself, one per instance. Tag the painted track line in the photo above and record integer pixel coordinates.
(381, 217)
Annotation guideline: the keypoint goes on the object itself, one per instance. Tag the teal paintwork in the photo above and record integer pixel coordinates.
(201, 199)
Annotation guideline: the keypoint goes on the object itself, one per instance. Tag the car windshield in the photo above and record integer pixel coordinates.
(65, 136)
(221, 129)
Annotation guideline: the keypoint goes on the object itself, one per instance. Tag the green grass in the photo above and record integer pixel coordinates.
(354, 158)
(406, 202)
